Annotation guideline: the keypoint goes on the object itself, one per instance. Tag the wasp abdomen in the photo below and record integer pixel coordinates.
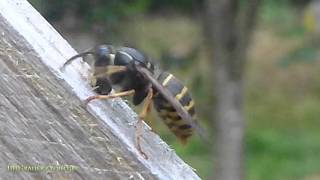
(180, 127)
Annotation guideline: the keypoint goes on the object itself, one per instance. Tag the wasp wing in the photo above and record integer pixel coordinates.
(173, 101)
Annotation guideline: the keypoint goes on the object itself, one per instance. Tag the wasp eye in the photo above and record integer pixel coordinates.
(103, 51)
(103, 55)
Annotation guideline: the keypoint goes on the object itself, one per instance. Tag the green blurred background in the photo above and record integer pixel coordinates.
(282, 76)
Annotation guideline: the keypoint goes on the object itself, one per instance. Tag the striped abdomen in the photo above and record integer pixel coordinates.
(180, 127)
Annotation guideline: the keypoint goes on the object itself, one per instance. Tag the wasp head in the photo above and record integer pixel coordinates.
(103, 55)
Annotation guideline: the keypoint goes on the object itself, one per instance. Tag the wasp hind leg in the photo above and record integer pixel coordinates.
(143, 114)
(111, 96)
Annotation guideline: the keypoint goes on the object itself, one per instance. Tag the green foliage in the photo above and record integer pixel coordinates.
(109, 11)
(274, 154)
(113, 11)
(300, 55)
(106, 11)
(274, 11)
(186, 6)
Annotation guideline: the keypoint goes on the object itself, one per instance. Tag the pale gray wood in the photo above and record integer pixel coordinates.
(42, 118)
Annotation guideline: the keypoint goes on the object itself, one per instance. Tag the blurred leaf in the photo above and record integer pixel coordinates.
(274, 154)
(299, 55)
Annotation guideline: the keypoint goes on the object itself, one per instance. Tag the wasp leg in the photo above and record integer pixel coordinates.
(120, 94)
(111, 69)
(146, 110)
(143, 114)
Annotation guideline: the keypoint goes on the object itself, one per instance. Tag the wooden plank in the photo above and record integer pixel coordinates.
(42, 119)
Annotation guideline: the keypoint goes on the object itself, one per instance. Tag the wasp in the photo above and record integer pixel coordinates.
(134, 74)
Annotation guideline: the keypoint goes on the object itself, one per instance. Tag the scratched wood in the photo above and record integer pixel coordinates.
(43, 121)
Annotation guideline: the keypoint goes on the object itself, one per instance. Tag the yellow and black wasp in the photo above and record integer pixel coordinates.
(133, 72)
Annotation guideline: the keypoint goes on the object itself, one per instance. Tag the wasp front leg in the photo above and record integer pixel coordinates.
(100, 81)
(101, 85)
(111, 96)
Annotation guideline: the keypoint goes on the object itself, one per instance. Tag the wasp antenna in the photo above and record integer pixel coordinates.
(77, 56)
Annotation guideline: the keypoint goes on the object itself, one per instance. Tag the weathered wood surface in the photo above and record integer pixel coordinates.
(42, 118)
